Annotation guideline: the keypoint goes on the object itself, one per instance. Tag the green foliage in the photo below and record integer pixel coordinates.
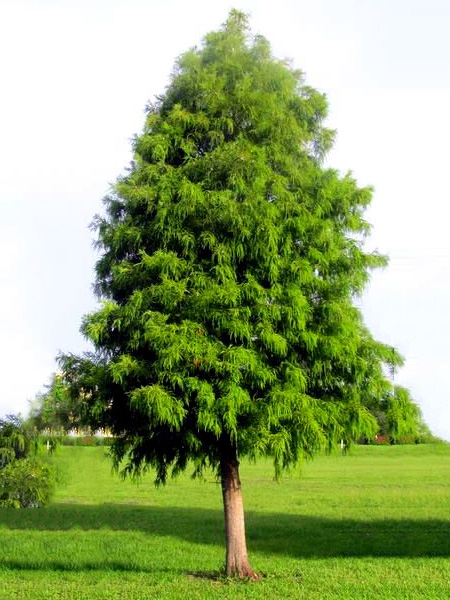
(26, 483)
(54, 410)
(400, 420)
(425, 436)
(15, 440)
(230, 258)
(26, 480)
(402, 414)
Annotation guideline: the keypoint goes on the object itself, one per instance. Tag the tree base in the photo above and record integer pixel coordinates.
(243, 573)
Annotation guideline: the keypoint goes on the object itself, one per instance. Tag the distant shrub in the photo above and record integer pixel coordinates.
(381, 440)
(420, 438)
(15, 441)
(407, 439)
(88, 440)
(425, 436)
(107, 441)
(26, 483)
(78, 440)
(48, 442)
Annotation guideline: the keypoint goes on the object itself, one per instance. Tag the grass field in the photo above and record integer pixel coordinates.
(372, 525)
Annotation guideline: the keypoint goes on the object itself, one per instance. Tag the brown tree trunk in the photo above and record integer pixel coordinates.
(237, 560)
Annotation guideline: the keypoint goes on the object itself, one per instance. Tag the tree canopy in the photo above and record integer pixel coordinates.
(55, 410)
(230, 260)
(399, 418)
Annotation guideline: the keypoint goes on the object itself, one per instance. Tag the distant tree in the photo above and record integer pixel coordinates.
(55, 410)
(402, 414)
(399, 417)
(230, 260)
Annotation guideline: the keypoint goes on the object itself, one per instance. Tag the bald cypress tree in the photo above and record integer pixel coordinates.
(230, 258)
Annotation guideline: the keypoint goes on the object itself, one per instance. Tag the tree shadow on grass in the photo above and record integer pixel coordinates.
(28, 564)
(297, 536)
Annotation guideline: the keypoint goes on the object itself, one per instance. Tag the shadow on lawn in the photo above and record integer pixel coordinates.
(269, 533)
(66, 566)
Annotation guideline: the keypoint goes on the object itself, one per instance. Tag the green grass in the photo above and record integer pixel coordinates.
(372, 525)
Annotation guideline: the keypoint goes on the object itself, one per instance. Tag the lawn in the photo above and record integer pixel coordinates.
(371, 525)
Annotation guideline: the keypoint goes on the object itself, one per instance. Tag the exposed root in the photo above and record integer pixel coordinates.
(244, 573)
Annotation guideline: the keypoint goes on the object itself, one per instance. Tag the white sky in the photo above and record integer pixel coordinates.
(74, 81)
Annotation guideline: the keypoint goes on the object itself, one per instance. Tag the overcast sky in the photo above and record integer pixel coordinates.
(75, 78)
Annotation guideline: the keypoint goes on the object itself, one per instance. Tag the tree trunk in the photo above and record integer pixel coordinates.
(237, 560)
